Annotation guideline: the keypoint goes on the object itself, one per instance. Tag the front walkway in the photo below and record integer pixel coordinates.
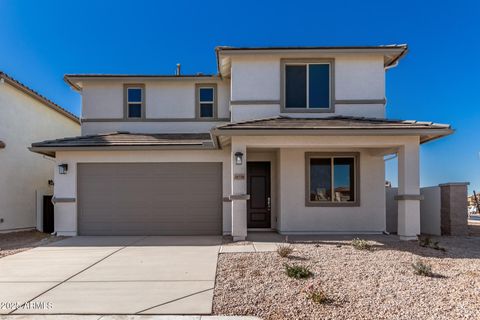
(112, 275)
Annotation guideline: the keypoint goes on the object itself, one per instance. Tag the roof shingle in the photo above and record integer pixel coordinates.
(34, 94)
(329, 123)
(127, 139)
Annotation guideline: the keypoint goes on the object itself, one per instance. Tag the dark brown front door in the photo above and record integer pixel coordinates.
(258, 187)
(48, 214)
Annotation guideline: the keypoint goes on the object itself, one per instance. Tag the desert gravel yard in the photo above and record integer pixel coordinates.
(15, 242)
(358, 284)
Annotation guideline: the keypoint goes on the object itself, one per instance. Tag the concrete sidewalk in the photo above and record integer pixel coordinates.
(112, 275)
(123, 317)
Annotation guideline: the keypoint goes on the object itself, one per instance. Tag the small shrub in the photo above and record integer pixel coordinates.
(361, 244)
(320, 297)
(284, 250)
(423, 269)
(317, 294)
(298, 272)
(429, 243)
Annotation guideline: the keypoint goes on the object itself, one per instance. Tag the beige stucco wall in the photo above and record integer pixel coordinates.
(164, 100)
(287, 155)
(430, 210)
(149, 127)
(257, 78)
(66, 185)
(24, 175)
(295, 217)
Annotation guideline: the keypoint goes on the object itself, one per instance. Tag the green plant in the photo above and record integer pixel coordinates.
(429, 243)
(319, 297)
(284, 250)
(317, 294)
(298, 272)
(422, 268)
(361, 244)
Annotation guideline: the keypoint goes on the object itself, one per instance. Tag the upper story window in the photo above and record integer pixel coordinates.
(307, 86)
(134, 101)
(206, 101)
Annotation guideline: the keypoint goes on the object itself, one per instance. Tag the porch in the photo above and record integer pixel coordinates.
(279, 185)
(323, 176)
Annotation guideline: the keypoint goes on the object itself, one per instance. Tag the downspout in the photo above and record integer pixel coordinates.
(217, 53)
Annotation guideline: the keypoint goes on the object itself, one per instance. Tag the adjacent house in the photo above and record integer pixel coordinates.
(290, 139)
(26, 178)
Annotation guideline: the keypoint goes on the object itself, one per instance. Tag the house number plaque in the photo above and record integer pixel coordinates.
(239, 176)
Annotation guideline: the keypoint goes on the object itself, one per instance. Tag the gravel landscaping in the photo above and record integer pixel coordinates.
(14, 242)
(348, 283)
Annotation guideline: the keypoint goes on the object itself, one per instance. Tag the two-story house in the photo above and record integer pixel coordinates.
(26, 178)
(290, 139)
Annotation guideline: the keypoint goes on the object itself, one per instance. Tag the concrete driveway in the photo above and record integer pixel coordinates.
(112, 275)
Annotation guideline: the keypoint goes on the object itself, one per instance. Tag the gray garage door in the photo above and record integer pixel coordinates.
(149, 198)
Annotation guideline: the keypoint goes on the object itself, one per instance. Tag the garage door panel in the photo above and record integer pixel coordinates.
(149, 198)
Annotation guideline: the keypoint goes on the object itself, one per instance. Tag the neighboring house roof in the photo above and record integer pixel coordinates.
(335, 125)
(37, 96)
(125, 141)
(74, 80)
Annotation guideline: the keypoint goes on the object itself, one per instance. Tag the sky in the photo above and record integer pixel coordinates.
(437, 81)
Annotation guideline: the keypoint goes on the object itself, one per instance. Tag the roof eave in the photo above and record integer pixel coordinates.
(72, 84)
(430, 134)
(345, 49)
(430, 138)
(74, 79)
(52, 150)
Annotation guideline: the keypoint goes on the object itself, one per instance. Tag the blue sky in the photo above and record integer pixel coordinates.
(437, 81)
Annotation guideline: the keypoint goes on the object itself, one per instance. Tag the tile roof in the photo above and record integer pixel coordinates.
(126, 139)
(329, 123)
(34, 94)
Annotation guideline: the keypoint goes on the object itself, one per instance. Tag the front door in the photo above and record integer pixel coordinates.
(48, 215)
(258, 187)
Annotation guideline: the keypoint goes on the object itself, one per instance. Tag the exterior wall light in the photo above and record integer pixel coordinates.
(63, 168)
(238, 158)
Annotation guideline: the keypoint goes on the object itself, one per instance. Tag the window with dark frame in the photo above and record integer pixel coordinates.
(332, 179)
(134, 102)
(206, 100)
(307, 85)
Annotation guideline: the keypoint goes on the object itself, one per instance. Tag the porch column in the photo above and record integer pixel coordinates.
(239, 195)
(409, 191)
